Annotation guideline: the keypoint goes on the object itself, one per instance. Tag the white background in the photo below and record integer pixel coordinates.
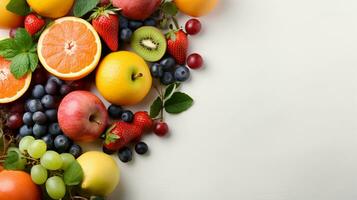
(275, 109)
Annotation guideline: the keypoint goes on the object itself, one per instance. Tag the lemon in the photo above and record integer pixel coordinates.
(51, 8)
(101, 173)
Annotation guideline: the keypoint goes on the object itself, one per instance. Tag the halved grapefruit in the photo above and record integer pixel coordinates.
(10, 87)
(70, 48)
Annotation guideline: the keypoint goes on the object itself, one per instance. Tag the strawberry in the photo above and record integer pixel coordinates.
(33, 23)
(143, 120)
(177, 46)
(106, 22)
(121, 134)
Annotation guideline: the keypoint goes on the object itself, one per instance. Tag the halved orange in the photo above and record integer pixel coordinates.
(10, 87)
(70, 48)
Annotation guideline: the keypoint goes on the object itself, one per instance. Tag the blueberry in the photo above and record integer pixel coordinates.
(167, 78)
(141, 148)
(61, 143)
(75, 150)
(34, 105)
(25, 130)
(150, 22)
(65, 89)
(48, 101)
(39, 130)
(48, 139)
(107, 151)
(54, 129)
(157, 70)
(125, 154)
(51, 87)
(27, 118)
(55, 79)
(134, 24)
(115, 111)
(182, 73)
(168, 63)
(127, 116)
(125, 34)
(39, 117)
(38, 91)
(123, 22)
(51, 115)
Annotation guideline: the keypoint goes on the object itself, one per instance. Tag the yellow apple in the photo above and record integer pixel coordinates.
(123, 78)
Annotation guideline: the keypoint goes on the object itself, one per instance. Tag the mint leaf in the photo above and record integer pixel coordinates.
(73, 175)
(178, 103)
(19, 7)
(82, 7)
(23, 39)
(8, 48)
(11, 161)
(20, 65)
(171, 89)
(156, 107)
(169, 8)
(33, 59)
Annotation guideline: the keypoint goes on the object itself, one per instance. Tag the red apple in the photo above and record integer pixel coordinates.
(82, 116)
(137, 9)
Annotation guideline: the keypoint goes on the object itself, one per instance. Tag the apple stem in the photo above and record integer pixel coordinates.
(135, 76)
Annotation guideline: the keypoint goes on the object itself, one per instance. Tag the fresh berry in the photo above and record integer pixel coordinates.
(125, 155)
(134, 24)
(65, 89)
(39, 117)
(48, 101)
(193, 26)
(48, 139)
(161, 128)
(51, 87)
(141, 148)
(39, 130)
(108, 151)
(51, 115)
(75, 150)
(56, 80)
(115, 111)
(177, 46)
(123, 21)
(38, 91)
(62, 143)
(54, 129)
(106, 23)
(168, 63)
(14, 121)
(143, 120)
(156, 70)
(25, 130)
(182, 73)
(121, 134)
(33, 23)
(150, 22)
(194, 61)
(34, 105)
(27, 118)
(127, 116)
(167, 78)
(125, 34)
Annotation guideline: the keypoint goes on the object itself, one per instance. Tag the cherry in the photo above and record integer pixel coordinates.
(14, 121)
(193, 26)
(161, 129)
(194, 61)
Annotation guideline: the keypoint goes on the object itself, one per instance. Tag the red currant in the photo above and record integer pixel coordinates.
(161, 129)
(194, 61)
(14, 121)
(193, 26)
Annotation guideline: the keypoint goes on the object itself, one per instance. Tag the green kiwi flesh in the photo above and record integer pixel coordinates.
(149, 43)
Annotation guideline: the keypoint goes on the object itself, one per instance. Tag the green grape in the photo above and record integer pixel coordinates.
(21, 162)
(25, 143)
(67, 160)
(37, 148)
(51, 160)
(38, 174)
(55, 187)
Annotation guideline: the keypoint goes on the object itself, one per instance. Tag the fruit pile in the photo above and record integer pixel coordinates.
(56, 52)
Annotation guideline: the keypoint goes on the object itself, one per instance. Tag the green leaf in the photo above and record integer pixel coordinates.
(73, 175)
(33, 58)
(82, 7)
(8, 48)
(178, 103)
(20, 65)
(169, 8)
(23, 39)
(156, 107)
(19, 7)
(170, 90)
(11, 161)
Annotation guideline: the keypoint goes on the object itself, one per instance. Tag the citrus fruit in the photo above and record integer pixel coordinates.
(17, 185)
(10, 87)
(196, 8)
(123, 78)
(51, 8)
(99, 179)
(70, 48)
(9, 19)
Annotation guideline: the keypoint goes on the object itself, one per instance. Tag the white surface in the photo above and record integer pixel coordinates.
(275, 112)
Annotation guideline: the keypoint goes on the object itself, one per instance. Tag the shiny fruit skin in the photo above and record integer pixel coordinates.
(196, 8)
(51, 8)
(98, 179)
(161, 129)
(12, 182)
(9, 19)
(193, 26)
(194, 61)
(14, 121)
(114, 78)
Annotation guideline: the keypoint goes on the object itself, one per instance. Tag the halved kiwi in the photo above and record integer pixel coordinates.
(149, 43)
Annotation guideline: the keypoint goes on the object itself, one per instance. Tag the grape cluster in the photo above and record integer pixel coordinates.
(40, 118)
